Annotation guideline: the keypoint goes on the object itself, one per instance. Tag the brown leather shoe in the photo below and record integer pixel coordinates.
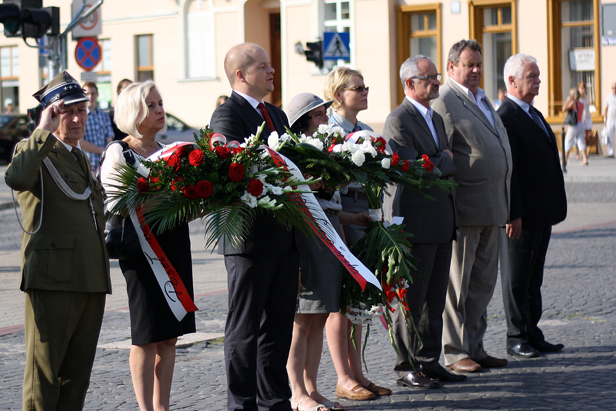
(465, 365)
(490, 362)
(358, 393)
(378, 390)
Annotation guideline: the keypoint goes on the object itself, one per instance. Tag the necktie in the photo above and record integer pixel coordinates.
(535, 116)
(80, 160)
(431, 126)
(266, 116)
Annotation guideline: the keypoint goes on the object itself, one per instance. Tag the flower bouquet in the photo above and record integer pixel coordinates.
(227, 182)
(362, 158)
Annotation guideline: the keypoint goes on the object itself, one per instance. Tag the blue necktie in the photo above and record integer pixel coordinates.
(535, 116)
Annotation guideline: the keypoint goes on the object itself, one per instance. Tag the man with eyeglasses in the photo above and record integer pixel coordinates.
(482, 157)
(414, 129)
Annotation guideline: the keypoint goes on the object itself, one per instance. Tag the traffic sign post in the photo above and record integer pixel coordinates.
(92, 25)
(88, 53)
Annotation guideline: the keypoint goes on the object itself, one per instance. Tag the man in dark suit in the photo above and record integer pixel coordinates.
(482, 157)
(538, 201)
(65, 270)
(263, 270)
(414, 129)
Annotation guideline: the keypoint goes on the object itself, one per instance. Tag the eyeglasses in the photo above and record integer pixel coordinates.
(431, 77)
(359, 89)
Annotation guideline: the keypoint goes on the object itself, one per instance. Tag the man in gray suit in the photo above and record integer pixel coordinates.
(414, 129)
(482, 157)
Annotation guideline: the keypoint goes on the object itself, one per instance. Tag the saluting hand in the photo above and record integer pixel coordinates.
(50, 117)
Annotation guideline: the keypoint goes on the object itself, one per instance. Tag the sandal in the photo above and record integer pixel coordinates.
(333, 406)
(318, 407)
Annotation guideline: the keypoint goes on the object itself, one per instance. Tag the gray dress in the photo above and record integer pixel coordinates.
(321, 271)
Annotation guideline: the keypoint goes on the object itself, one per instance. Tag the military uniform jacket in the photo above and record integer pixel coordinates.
(68, 253)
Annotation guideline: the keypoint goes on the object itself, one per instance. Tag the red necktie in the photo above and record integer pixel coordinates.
(266, 116)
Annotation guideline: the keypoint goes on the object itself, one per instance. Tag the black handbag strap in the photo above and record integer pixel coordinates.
(129, 156)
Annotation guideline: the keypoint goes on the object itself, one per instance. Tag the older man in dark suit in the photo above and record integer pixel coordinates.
(263, 270)
(414, 129)
(482, 157)
(65, 270)
(538, 201)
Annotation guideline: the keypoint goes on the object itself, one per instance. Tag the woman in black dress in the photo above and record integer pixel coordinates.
(154, 327)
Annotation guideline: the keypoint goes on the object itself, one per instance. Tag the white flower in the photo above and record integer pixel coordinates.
(273, 189)
(386, 163)
(368, 148)
(358, 158)
(316, 142)
(284, 137)
(273, 140)
(349, 147)
(261, 177)
(249, 199)
(253, 169)
(267, 202)
(339, 130)
(323, 129)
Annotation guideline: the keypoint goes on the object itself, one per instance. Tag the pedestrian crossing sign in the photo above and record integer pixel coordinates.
(336, 46)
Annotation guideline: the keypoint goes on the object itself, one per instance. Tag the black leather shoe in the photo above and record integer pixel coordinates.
(523, 350)
(545, 346)
(436, 371)
(417, 380)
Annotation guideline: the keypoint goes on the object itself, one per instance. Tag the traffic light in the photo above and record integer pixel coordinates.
(10, 17)
(38, 22)
(315, 53)
(28, 19)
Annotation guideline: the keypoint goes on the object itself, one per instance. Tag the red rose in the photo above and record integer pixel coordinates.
(395, 159)
(180, 151)
(237, 150)
(205, 188)
(380, 144)
(177, 184)
(143, 185)
(236, 172)
(255, 187)
(405, 166)
(191, 192)
(195, 158)
(223, 152)
(427, 164)
(174, 161)
(330, 149)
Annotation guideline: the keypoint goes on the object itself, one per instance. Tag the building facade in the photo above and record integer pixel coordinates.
(181, 44)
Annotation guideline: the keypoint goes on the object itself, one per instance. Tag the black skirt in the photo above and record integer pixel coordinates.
(151, 319)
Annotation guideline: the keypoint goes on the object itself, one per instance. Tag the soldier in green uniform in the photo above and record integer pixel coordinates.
(65, 266)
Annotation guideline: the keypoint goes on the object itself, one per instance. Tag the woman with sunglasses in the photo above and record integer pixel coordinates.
(346, 88)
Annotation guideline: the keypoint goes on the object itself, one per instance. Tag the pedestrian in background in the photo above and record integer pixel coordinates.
(575, 132)
(99, 132)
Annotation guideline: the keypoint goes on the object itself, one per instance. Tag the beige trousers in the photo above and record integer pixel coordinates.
(472, 278)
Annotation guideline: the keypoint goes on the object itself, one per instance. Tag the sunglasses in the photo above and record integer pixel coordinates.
(359, 89)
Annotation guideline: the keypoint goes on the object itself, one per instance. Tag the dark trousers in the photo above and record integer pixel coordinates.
(521, 282)
(262, 300)
(426, 300)
(62, 330)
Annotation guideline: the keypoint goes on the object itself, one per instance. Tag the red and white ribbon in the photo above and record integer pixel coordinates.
(323, 228)
(168, 279)
(222, 140)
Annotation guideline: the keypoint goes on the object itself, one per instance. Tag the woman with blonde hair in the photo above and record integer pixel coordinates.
(154, 327)
(575, 133)
(346, 88)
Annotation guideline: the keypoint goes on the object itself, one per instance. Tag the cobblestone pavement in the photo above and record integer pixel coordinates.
(579, 297)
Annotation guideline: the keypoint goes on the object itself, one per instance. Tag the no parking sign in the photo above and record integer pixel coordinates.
(88, 53)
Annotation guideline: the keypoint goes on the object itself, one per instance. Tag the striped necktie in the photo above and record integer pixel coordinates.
(537, 119)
